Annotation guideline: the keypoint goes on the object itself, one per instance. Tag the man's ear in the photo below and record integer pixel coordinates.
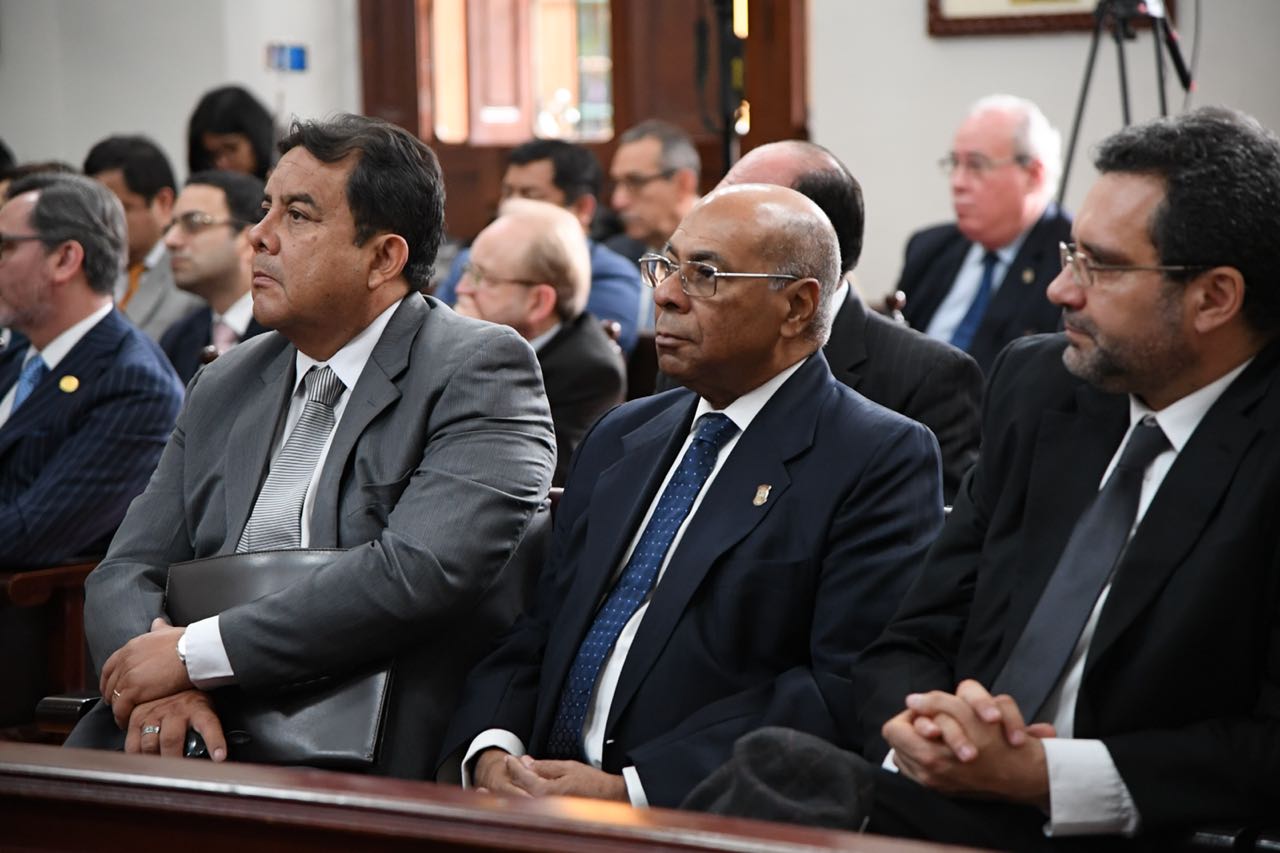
(162, 205)
(1218, 297)
(803, 300)
(584, 208)
(65, 261)
(686, 181)
(543, 304)
(390, 254)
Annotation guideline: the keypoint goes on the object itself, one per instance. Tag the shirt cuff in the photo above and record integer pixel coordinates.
(207, 663)
(635, 791)
(489, 739)
(1086, 794)
(888, 763)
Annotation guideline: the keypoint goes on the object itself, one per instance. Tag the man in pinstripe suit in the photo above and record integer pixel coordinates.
(86, 400)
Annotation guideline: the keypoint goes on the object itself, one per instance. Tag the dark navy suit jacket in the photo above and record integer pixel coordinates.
(1019, 307)
(185, 341)
(84, 444)
(763, 605)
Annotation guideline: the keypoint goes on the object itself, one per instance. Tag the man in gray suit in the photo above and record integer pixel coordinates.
(434, 453)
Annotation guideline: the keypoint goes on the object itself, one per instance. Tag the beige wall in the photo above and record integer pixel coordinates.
(886, 98)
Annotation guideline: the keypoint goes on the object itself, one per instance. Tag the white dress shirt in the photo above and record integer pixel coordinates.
(956, 303)
(239, 315)
(53, 353)
(741, 411)
(207, 663)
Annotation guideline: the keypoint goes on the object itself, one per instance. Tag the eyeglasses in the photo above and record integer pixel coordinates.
(192, 222)
(480, 278)
(696, 278)
(1083, 268)
(978, 165)
(634, 183)
(7, 240)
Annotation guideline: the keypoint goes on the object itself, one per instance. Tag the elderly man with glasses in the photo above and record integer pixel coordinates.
(722, 550)
(980, 282)
(212, 257)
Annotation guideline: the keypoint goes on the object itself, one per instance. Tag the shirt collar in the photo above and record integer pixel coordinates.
(349, 361)
(56, 350)
(238, 315)
(1180, 418)
(743, 410)
(543, 339)
(155, 255)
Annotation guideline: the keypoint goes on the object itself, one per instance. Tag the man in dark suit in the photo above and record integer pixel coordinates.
(529, 270)
(1109, 571)
(927, 380)
(136, 170)
(86, 400)
(209, 249)
(370, 420)
(980, 282)
(568, 175)
(746, 536)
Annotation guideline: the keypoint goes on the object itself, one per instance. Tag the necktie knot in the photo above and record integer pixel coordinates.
(989, 260)
(323, 386)
(29, 377)
(715, 429)
(1146, 442)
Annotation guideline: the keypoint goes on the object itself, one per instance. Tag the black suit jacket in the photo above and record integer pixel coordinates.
(584, 376)
(1019, 307)
(185, 341)
(1182, 678)
(762, 607)
(901, 369)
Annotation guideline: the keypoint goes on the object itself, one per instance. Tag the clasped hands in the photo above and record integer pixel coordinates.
(970, 743)
(153, 699)
(500, 772)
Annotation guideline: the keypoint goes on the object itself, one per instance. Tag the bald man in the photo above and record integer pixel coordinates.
(901, 369)
(723, 550)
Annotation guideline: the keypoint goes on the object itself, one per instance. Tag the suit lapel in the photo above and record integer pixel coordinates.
(941, 274)
(85, 362)
(782, 430)
(375, 390)
(1185, 503)
(1072, 451)
(257, 423)
(1027, 277)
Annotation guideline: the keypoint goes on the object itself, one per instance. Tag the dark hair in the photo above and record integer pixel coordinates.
(230, 109)
(574, 169)
(395, 183)
(7, 160)
(1221, 173)
(839, 195)
(23, 169)
(73, 207)
(678, 151)
(145, 168)
(243, 192)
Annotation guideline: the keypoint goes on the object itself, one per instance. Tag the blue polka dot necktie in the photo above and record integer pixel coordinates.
(32, 372)
(635, 582)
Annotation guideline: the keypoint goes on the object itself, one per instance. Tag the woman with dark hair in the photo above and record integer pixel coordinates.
(230, 129)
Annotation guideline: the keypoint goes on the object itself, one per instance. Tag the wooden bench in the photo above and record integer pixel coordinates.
(67, 799)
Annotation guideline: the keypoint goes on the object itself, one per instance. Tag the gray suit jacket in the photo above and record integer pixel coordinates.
(443, 453)
(158, 303)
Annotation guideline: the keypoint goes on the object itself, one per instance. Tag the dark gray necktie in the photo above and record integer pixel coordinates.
(1099, 538)
(276, 521)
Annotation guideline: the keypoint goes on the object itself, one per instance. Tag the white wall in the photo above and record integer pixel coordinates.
(886, 97)
(74, 71)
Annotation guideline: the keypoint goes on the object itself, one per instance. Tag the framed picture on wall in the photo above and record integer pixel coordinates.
(987, 17)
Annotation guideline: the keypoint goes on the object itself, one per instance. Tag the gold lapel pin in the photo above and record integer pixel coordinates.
(68, 384)
(762, 494)
(1028, 275)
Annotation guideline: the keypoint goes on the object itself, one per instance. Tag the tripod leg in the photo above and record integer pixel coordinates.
(1084, 95)
(1158, 24)
(1118, 33)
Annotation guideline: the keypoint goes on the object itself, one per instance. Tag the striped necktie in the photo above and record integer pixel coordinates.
(32, 372)
(276, 521)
